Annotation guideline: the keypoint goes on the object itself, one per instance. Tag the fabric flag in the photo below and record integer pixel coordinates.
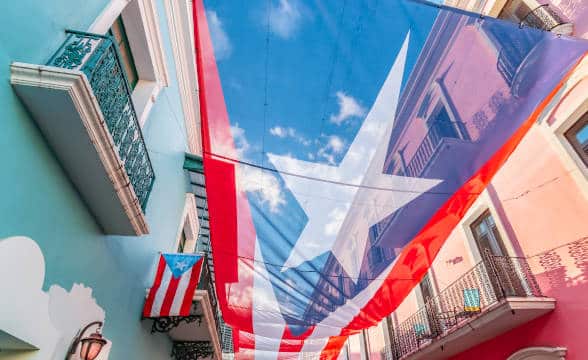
(343, 141)
(176, 279)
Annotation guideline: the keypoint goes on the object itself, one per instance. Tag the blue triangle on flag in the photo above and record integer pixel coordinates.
(180, 263)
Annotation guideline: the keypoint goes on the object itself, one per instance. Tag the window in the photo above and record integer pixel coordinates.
(577, 136)
(182, 243)
(487, 235)
(119, 34)
(426, 289)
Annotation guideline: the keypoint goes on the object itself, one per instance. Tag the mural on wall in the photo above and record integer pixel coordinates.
(45, 323)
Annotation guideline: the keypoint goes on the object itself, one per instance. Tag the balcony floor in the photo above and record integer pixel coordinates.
(498, 319)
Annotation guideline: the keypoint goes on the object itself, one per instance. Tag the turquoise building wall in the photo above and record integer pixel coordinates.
(39, 201)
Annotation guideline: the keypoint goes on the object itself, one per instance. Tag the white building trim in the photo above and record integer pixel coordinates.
(568, 106)
(181, 31)
(189, 224)
(142, 26)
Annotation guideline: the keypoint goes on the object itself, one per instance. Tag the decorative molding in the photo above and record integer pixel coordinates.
(153, 34)
(77, 86)
(181, 31)
(554, 353)
(208, 312)
(104, 21)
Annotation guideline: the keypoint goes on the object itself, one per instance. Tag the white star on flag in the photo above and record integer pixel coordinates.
(340, 215)
(181, 265)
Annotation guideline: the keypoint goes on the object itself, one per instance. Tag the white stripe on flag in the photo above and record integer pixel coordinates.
(267, 318)
(313, 346)
(180, 292)
(160, 295)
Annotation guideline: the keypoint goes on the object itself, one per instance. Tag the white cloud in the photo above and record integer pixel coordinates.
(242, 146)
(348, 108)
(282, 132)
(251, 179)
(334, 146)
(288, 132)
(263, 183)
(285, 18)
(220, 41)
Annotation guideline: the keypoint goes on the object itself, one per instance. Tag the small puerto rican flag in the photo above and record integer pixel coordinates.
(176, 280)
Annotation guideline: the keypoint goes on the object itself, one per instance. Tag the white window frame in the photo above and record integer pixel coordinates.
(483, 203)
(142, 27)
(181, 33)
(189, 224)
(568, 107)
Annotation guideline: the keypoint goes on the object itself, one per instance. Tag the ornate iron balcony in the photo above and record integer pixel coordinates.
(98, 58)
(544, 18)
(486, 285)
(435, 135)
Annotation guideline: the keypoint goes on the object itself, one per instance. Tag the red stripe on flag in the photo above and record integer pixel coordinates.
(223, 200)
(194, 280)
(170, 294)
(333, 348)
(156, 284)
(293, 343)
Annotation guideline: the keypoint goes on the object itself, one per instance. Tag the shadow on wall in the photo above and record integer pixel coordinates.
(48, 321)
(562, 267)
(562, 273)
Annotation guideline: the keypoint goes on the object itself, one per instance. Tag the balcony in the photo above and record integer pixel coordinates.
(497, 295)
(439, 137)
(81, 102)
(199, 334)
(542, 17)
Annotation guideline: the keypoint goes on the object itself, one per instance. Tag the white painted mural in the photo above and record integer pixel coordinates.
(35, 324)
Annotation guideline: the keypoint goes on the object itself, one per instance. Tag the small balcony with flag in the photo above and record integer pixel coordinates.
(81, 101)
(182, 303)
(498, 294)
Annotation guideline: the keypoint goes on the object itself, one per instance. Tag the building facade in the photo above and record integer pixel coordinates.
(100, 145)
(509, 280)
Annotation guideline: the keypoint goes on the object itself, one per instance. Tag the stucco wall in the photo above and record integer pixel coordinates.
(39, 202)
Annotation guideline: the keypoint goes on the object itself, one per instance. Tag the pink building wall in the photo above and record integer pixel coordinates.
(537, 199)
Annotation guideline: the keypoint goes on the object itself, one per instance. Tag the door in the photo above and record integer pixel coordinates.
(501, 269)
(430, 306)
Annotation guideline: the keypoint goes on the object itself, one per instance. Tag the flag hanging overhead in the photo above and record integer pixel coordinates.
(176, 279)
(343, 141)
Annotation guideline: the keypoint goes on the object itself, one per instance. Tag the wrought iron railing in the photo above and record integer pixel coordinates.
(436, 133)
(489, 282)
(98, 58)
(224, 332)
(542, 17)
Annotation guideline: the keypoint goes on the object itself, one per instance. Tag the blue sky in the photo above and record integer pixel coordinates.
(320, 74)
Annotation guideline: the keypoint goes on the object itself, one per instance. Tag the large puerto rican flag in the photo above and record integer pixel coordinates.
(343, 141)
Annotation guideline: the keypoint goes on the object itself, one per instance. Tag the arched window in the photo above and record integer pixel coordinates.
(539, 353)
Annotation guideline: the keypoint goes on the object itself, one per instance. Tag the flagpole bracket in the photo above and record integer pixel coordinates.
(166, 323)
